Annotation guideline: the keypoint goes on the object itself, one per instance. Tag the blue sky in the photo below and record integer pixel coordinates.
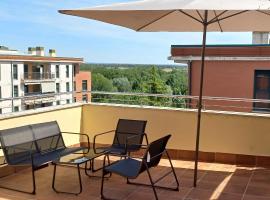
(26, 23)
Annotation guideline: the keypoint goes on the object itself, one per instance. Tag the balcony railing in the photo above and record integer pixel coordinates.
(238, 139)
(37, 76)
(157, 100)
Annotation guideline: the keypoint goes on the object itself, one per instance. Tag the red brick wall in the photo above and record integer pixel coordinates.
(227, 79)
(79, 77)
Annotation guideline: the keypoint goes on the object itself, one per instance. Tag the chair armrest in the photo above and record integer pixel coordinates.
(133, 136)
(160, 154)
(97, 135)
(146, 138)
(83, 134)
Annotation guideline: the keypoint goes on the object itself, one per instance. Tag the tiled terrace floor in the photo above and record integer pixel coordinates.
(216, 181)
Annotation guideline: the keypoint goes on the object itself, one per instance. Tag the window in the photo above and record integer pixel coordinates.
(67, 87)
(74, 86)
(68, 101)
(57, 88)
(74, 70)
(15, 72)
(16, 108)
(84, 85)
(0, 92)
(1, 111)
(84, 98)
(58, 102)
(15, 91)
(262, 89)
(74, 99)
(67, 71)
(57, 71)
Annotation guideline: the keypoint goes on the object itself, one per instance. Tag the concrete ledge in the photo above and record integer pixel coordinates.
(39, 110)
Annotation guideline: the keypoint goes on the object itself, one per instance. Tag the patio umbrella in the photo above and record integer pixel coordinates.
(184, 16)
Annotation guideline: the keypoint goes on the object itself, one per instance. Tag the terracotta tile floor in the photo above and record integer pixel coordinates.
(216, 181)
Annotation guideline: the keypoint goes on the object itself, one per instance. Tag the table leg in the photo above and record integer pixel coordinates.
(80, 182)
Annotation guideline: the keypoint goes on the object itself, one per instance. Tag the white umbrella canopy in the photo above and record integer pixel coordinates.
(182, 15)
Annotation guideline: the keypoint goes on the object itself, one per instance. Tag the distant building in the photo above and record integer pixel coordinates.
(82, 86)
(31, 80)
(236, 71)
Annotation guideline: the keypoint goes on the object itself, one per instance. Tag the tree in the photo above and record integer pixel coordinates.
(155, 85)
(101, 83)
(178, 82)
(122, 84)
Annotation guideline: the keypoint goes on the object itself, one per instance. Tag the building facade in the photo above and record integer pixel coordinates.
(231, 71)
(33, 80)
(82, 86)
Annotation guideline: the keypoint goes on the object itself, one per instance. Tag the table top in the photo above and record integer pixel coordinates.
(79, 157)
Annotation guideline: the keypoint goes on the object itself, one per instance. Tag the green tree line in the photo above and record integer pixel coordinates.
(150, 79)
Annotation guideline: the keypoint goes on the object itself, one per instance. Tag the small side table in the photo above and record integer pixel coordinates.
(76, 159)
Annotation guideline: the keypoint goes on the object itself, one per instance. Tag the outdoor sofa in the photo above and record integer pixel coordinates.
(36, 146)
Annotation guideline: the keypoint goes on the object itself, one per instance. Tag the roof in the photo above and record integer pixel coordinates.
(241, 51)
(221, 45)
(34, 58)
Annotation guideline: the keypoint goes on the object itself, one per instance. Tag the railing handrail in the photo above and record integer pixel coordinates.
(187, 101)
(38, 75)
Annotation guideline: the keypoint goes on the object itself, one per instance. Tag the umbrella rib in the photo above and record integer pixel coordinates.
(181, 11)
(218, 21)
(199, 15)
(217, 16)
(153, 21)
(229, 16)
(260, 11)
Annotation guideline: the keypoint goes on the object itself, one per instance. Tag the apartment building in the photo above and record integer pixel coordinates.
(32, 80)
(233, 71)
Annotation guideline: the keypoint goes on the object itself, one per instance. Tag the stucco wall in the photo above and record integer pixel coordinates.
(221, 132)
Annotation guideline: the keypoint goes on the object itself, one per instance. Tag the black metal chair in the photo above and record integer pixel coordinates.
(128, 137)
(35, 146)
(131, 168)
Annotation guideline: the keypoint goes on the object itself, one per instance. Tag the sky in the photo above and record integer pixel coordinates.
(30, 23)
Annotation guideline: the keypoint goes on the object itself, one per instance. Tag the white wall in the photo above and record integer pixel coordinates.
(63, 80)
(6, 83)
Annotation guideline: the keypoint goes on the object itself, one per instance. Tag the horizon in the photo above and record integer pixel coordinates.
(39, 24)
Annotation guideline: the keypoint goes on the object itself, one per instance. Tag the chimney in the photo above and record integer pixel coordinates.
(32, 51)
(40, 51)
(52, 52)
(260, 38)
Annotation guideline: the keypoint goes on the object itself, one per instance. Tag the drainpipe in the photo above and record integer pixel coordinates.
(189, 80)
(12, 85)
(72, 82)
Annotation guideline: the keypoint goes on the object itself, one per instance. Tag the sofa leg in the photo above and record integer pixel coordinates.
(33, 192)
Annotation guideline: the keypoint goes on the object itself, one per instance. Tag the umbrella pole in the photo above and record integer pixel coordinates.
(205, 24)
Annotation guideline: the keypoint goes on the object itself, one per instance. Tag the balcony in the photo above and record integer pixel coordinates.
(33, 98)
(37, 77)
(239, 141)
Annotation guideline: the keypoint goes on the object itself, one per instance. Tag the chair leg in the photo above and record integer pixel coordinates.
(103, 177)
(151, 181)
(22, 191)
(174, 174)
(95, 170)
(34, 180)
(102, 185)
